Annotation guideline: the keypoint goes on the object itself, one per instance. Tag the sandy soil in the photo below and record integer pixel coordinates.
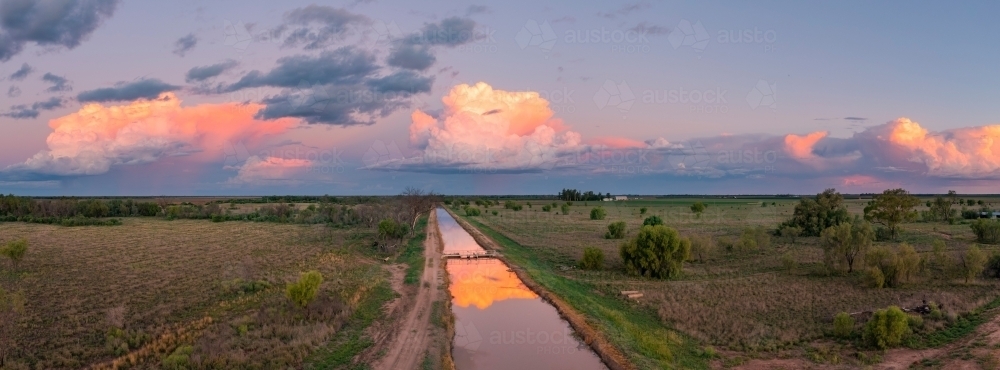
(411, 336)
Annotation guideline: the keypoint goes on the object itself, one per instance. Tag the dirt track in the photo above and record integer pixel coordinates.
(410, 340)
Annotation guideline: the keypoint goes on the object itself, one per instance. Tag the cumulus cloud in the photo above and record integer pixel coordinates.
(127, 91)
(971, 152)
(26, 112)
(198, 74)
(58, 83)
(272, 170)
(318, 26)
(185, 44)
(64, 23)
(21, 73)
(94, 139)
(801, 147)
(488, 129)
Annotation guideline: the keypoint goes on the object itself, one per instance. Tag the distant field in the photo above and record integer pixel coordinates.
(742, 301)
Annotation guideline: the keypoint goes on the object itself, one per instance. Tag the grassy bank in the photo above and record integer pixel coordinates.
(413, 254)
(635, 331)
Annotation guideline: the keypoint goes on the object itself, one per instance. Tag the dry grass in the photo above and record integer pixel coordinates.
(737, 300)
(150, 277)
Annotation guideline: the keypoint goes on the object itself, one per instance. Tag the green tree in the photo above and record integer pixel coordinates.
(972, 263)
(593, 259)
(843, 325)
(816, 214)
(892, 208)
(304, 291)
(844, 243)
(656, 252)
(698, 208)
(598, 213)
(887, 328)
(909, 261)
(987, 231)
(616, 230)
(940, 210)
(652, 221)
(15, 251)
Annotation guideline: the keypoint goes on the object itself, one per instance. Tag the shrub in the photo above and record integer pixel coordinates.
(788, 261)
(565, 208)
(698, 208)
(843, 325)
(882, 261)
(473, 211)
(179, 359)
(547, 208)
(642, 211)
(754, 238)
(887, 328)
(909, 261)
(304, 291)
(652, 221)
(993, 266)
(844, 243)
(390, 229)
(616, 230)
(493, 212)
(657, 252)
(972, 263)
(986, 231)
(598, 213)
(790, 232)
(875, 278)
(593, 259)
(15, 251)
(702, 247)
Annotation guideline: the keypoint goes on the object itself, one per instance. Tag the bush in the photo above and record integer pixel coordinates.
(993, 266)
(547, 208)
(642, 211)
(473, 211)
(593, 259)
(656, 252)
(986, 231)
(616, 230)
(790, 232)
(15, 250)
(887, 328)
(179, 359)
(882, 261)
(390, 229)
(598, 213)
(652, 221)
(698, 208)
(304, 291)
(843, 325)
(493, 212)
(788, 261)
(702, 247)
(973, 263)
(754, 238)
(565, 208)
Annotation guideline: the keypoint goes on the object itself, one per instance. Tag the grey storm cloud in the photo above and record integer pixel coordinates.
(27, 112)
(338, 87)
(414, 57)
(21, 73)
(402, 82)
(345, 65)
(317, 26)
(64, 23)
(198, 74)
(414, 50)
(13, 92)
(58, 83)
(142, 89)
(185, 44)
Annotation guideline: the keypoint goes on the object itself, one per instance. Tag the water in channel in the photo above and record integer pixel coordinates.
(499, 322)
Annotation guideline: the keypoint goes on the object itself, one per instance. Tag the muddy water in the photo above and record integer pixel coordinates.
(499, 322)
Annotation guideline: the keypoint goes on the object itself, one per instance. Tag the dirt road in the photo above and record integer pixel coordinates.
(409, 342)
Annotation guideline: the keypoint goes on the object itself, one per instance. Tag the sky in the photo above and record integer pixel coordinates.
(139, 98)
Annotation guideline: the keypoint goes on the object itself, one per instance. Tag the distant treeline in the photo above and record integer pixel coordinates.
(575, 195)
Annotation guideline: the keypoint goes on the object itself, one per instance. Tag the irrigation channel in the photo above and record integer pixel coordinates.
(499, 322)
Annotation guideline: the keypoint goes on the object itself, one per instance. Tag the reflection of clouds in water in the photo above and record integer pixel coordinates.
(481, 283)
